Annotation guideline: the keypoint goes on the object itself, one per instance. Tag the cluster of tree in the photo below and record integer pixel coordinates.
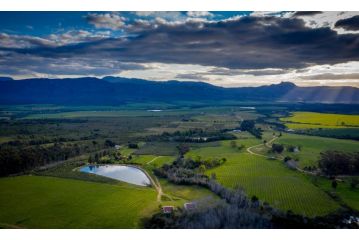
(98, 157)
(234, 210)
(132, 145)
(197, 135)
(188, 171)
(15, 160)
(277, 148)
(234, 144)
(249, 126)
(213, 214)
(183, 149)
(19, 158)
(334, 163)
(292, 148)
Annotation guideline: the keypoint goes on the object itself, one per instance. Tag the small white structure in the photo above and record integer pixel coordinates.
(117, 147)
(167, 209)
(190, 206)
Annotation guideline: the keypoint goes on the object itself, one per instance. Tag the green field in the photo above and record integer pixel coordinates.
(269, 180)
(177, 195)
(152, 160)
(346, 194)
(311, 146)
(303, 120)
(47, 202)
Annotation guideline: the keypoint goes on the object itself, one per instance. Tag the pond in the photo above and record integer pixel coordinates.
(123, 173)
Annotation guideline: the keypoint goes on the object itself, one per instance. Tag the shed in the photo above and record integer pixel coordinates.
(167, 209)
(190, 206)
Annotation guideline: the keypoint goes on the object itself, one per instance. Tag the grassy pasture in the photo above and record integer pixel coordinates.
(152, 160)
(47, 202)
(269, 180)
(177, 195)
(311, 146)
(346, 194)
(303, 120)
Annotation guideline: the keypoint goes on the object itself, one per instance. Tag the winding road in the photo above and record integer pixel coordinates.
(249, 149)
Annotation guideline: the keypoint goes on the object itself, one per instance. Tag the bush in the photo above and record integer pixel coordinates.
(278, 148)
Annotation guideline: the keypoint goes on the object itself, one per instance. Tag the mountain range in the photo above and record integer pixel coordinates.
(118, 90)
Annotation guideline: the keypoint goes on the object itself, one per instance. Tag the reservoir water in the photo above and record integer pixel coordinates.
(123, 173)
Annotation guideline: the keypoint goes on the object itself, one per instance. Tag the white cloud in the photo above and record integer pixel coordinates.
(199, 14)
(111, 21)
(328, 19)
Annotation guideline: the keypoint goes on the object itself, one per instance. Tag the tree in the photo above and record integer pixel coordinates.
(278, 148)
(183, 149)
(109, 143)
(90, 160)
(247, 125)
(334, 163)
(202, 168)
(254, 198)
(354, 182)
(213, 176)
(97, 157)
(334, 184)
(133, 145)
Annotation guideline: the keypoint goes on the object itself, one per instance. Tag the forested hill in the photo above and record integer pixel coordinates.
(115, 90)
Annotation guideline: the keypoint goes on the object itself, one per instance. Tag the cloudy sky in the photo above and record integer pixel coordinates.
(221, 48)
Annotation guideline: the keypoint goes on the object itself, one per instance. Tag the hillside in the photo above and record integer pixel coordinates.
(115, 90)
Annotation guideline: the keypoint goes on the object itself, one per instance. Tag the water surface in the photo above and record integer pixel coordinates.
(123, 173)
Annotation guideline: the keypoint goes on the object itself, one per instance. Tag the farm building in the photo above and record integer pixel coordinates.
(190, 206)
(167, 209)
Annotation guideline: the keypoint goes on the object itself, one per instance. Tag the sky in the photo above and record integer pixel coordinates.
(229, 49)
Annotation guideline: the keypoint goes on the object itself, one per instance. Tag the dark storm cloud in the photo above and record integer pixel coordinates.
(20, 64)
(349, 23)
(306, 13)
(240, 43)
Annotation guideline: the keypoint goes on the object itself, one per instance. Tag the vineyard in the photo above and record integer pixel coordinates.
(269, 180)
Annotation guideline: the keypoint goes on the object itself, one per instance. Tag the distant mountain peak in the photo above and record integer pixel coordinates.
(6, 79)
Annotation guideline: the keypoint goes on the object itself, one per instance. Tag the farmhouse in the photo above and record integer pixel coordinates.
(117, 147)
(167, 209)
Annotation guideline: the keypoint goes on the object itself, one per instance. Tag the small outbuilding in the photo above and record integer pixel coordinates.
(167, 209)
(190, 206)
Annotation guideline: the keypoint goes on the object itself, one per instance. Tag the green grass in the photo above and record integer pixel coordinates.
(269, 180)
(346, 194)
(47, 202)
(311, 146)
(180, 194)
(302, 120)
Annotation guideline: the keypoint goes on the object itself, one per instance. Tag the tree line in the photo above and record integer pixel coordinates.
(15, 159)
(335, 163)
